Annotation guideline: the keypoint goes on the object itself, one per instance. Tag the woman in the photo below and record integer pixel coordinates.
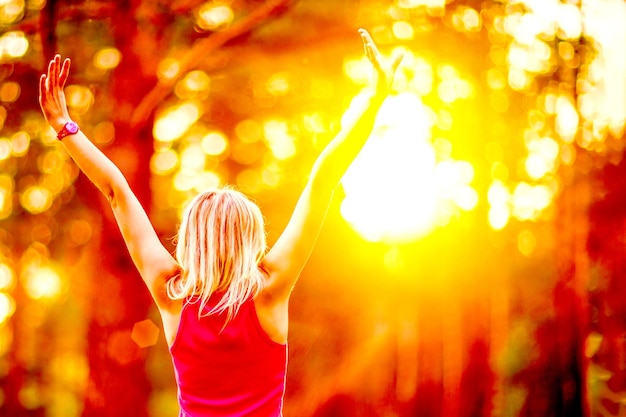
(224, 299)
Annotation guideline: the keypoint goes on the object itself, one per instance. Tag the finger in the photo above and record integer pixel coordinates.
(49, 76)
(65, 71)
(365, 36)
(371, 51)
(367, 42)
(54, 73)
(395, 63)
(42, 87)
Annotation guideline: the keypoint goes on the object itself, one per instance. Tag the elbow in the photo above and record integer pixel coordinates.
(109, 193)
(324, 179)
(113, 192)
(322, 187)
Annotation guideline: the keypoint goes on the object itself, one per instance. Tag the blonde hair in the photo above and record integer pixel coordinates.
(221, 242)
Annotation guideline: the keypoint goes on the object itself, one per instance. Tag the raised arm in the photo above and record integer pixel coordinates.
(153, 261)
(287, 257)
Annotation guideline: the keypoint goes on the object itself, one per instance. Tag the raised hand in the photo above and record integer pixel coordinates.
(51, 95)
(385, 71)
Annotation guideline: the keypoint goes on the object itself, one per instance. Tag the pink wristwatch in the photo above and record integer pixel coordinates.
(70, 128)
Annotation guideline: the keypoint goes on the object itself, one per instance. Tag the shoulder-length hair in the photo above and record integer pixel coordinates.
(221, 242)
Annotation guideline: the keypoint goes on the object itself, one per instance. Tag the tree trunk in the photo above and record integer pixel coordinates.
(118, 383)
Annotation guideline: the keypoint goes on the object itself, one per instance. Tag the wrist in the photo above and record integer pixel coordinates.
(378, 97)
(68, 129)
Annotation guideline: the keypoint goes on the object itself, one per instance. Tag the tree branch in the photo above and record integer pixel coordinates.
(200, 50)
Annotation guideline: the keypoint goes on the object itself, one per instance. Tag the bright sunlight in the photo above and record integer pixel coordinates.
(400, 188)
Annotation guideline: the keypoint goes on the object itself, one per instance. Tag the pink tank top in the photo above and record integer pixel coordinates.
(231, 371)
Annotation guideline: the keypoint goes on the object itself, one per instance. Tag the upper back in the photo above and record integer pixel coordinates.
(227, 369)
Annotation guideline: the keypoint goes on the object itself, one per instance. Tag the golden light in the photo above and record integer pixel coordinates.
(526, 242)
(214, 143)
(187, 181)
(10, 92)
(31, 395)
(499, 198)
(79, 98)
(168, 69)
(197, 81)
(53, 183)
(452, 90)
(7, 277)
(6, 196)
(42, 283)
(7, 307)
(358, 70)
(519, 79)
(393, 259)
(5, 149)
(13, 44)
(214, 17)
(529, 201)
(184, 182)
(163, 162)
(107, 58)
(11, 11)
(192, 159)
(411, 4)
(279, 139)
(172, 123)
(271, 175)
(249, 131)
(36, 199)
(423, 77)
(466, 19)
(67, 367)
(51, 162)
(397, 190)
(569, 20)
(314, 123)
(604, 100)
(208, 179)
(498, 217)
(542, 158)
(36, 4)
(278, 84)
(566, 51)
(567, 119)
(403, 30)
(496, 79)
(20, 142)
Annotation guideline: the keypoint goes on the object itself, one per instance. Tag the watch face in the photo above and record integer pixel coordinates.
(71, 127)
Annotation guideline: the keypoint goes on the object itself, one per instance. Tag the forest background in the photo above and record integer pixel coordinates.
(471, 264)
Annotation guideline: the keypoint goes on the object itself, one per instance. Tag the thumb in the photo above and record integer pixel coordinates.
(395, 63)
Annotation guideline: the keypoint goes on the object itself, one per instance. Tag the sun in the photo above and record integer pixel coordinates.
(400, 188)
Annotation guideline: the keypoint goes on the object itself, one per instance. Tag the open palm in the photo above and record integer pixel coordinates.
(385, 71)
(51, 95)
